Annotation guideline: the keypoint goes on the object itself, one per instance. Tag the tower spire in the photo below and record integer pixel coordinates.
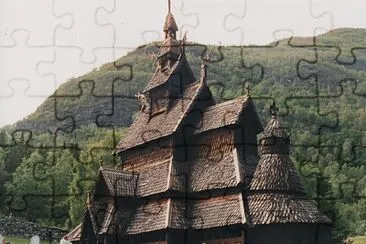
(170, 26)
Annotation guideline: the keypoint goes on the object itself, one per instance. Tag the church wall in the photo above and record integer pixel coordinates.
(210, 144)
(247, 130)
(87, 235)
(153, 152)
(288, 234)
(158, 100)
(215, 143)
(180, 79)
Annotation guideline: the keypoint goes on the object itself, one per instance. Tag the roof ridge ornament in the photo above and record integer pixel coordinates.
(248, 89)
(205, 60)
(88, 199)
(141, 98)
(273, 109)
(169, 6)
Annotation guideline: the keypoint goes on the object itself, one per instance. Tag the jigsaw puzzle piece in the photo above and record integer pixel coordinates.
(29, 56)
(75, 95)
(287, 80)
(66, 62)
(84, 28)
(217, 8)
(343, 104)
(325, 68)
(121, 18)
(307, 131)
(9, 104)
(271, 16)
(39, 22)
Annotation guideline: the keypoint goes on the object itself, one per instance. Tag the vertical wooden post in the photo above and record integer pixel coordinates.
(242, 236)
(167, 237)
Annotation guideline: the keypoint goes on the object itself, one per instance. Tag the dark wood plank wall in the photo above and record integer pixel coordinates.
(153, 152)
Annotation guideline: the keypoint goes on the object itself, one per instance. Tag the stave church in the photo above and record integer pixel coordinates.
(192, 170)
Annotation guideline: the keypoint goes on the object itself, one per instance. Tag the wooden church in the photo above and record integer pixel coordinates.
(191, 170)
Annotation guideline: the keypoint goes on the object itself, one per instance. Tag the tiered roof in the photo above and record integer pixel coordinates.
(147, 128)
(276, 192)
(178, 214)
(222, 114)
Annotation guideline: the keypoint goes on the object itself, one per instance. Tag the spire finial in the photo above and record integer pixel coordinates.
(169, 6)
(204, 65)
(88, 198)
(248, 90)
(273, 109)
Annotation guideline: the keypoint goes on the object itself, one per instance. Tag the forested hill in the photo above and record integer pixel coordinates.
(271, 71)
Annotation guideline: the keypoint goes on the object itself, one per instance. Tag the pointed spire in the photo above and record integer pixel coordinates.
(273, 109)
(170, 24)
(274, 127)
(275, 139)
(204, 66)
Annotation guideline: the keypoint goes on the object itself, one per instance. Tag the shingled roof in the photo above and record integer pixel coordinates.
(205, 174)
(75, 234)
(274, 208)
(170, 45)
(185, 214)
(276, 173)
(149, 217)
(147, 128)
(207, 213)
(170, 23)
(119, 183)
(276, 194)
(154, 179)
(161, 76)
(274, 128)
(222, 114)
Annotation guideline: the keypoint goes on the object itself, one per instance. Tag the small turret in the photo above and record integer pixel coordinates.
(274, 139)
(171, 47)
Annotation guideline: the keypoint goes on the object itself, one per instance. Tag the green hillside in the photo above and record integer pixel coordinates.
(274, 65)
(320, 90)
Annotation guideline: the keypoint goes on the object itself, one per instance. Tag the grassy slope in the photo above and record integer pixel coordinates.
(359, 240)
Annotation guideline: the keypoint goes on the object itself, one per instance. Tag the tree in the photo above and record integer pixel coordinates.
(39, 188)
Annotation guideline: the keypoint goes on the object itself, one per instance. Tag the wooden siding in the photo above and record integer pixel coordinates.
(152, 153)
(158, 101)
(237, 240)
(288, 234)
(215, 144)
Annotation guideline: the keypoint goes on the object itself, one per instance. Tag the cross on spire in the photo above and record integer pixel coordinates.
(169, 6)
(273, 109)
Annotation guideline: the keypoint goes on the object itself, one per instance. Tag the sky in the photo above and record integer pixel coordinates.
(43, 43)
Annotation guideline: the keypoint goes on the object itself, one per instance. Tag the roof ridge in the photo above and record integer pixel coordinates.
(199, 89)
(119, 171)
(228, 102)
(171, 71)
